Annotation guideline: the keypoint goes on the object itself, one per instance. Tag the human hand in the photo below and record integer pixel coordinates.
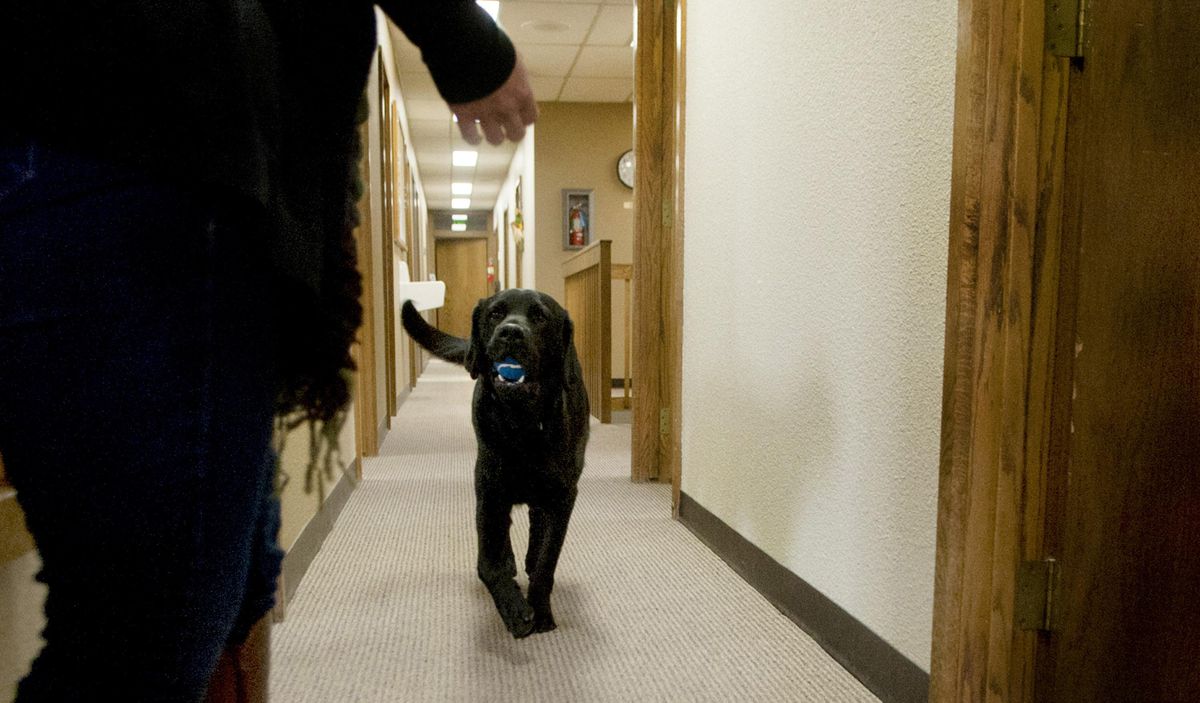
(504, 113)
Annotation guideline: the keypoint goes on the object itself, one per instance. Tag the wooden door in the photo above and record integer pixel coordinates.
(1128, 540)
(1071, 414)
(462, 266)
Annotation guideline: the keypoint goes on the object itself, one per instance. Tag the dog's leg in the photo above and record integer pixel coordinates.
(547, 532)
(498, 569)
(537, 533)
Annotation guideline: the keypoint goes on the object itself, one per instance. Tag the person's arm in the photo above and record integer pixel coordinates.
(473, 63)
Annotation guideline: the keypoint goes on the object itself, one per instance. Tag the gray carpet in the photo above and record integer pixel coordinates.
(391, 609)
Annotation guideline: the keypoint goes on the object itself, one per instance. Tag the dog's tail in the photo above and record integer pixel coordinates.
(442, 345)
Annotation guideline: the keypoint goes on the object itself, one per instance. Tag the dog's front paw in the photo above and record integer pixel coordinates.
(519, 620)
(544, 622)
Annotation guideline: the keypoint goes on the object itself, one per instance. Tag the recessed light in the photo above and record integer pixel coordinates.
(459, 217)
(465, 158)
(458, 227)
(548, 26)
(460, 203)
(460, 188)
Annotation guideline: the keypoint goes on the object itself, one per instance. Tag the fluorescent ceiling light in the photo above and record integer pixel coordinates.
(492, 7)
(460, 188)
(459, 217)
(460, 203)
(465, 158)
(458, 227)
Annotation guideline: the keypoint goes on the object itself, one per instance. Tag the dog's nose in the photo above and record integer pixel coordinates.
(511, 332)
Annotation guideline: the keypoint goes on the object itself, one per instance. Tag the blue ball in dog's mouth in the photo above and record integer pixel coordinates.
(509, 370)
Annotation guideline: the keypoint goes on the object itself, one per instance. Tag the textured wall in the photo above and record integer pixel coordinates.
(817, 191)
(577, 147)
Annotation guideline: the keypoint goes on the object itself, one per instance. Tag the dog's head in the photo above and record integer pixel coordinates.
(520, 343)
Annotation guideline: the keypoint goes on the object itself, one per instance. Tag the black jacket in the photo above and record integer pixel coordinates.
(257, 98)
(255, 95)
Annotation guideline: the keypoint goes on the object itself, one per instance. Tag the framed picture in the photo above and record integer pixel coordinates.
(577, 217)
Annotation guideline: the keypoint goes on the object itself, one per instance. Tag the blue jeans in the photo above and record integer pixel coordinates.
(136, 404)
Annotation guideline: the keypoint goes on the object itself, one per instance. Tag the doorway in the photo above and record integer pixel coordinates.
(462, 265)
(1070, 497)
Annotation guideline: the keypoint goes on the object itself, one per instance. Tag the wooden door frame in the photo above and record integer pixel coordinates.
(365, 413)
(388, 126)
(659, 82)
(1009, 309)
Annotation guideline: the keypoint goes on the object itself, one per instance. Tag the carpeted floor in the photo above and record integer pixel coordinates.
(391, 609)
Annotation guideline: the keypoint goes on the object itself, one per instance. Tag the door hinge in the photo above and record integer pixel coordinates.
(1037, 600)
(664, 421)
(1065, 24)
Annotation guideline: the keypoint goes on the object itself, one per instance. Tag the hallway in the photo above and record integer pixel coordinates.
(391, 609)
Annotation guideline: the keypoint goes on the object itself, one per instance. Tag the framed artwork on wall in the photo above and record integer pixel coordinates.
(578, 206)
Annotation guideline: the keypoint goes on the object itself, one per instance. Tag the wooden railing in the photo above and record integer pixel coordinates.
(14, 539)
(624, 273)
(588, 287)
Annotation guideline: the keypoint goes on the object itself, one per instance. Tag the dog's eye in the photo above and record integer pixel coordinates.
(496, 315)
(535, 315)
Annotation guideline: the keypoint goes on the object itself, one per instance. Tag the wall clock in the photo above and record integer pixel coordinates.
(625, 168)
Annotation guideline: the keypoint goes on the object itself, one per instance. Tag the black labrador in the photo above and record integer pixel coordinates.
(530, 413)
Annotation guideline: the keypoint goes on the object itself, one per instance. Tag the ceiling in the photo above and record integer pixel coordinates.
(574, 50)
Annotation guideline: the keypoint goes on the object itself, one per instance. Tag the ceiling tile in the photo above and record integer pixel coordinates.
(604, 62)
(614, 26)
(549, 59)
(601, 90)
(547, 23)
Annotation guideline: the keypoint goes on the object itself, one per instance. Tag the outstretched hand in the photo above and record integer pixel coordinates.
(503, 114)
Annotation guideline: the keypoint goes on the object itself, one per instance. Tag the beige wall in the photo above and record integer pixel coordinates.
(577, 146)
(817, 206)
(521, 170)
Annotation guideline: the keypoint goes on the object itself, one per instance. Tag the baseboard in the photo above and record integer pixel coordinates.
(880, 667)
(308, 544)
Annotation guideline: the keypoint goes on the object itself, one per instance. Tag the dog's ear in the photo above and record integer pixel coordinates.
(570, 356)
(476, 359)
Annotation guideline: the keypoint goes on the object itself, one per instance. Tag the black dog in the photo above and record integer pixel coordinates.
(531, 422)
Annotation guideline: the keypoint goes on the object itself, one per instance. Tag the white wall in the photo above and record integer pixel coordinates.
(817, 189)
(521, 168)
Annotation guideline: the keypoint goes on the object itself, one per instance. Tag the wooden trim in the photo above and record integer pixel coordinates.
(1006, 259)
(15, 540)
(673, 357)
(587, 257)
(389, 232)
(308, 544)
(587, 286)
(880, 667)
(364, 405)
(658, 245)
(414, 258)
(624, 273)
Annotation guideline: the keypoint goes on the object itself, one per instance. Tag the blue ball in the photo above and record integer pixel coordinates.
(509, 369)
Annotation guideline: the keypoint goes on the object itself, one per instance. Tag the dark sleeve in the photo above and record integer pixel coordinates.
(467, 54)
